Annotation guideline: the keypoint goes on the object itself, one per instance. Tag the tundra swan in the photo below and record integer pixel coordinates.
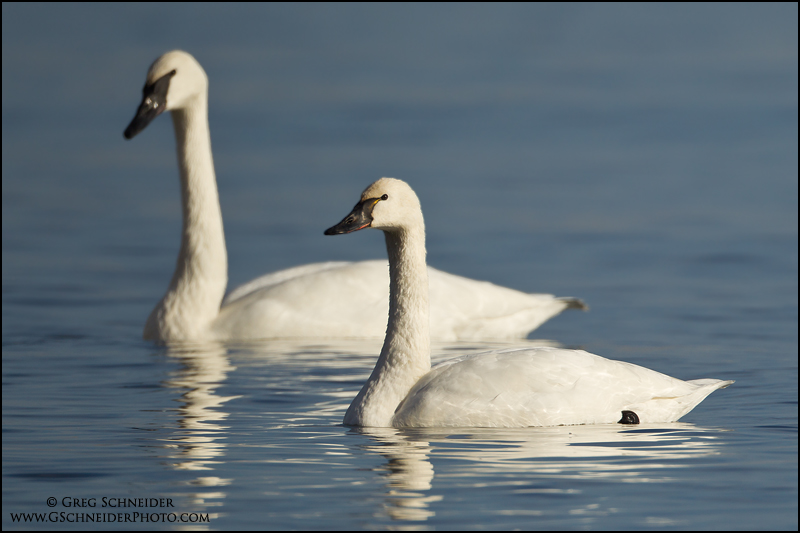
(315, 300)
(504, 388)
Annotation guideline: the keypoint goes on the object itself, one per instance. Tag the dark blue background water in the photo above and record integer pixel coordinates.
(641, 157)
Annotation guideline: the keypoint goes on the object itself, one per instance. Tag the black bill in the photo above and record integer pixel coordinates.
(154, 101)
(359, 218)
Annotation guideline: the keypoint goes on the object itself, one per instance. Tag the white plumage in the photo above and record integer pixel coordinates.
(320, 300)
(505, 388)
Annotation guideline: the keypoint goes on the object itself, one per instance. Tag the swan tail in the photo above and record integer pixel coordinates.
(672, 409)
(574, 303)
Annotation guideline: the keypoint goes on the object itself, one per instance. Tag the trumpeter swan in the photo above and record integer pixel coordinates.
(316, 300)
(505, 388)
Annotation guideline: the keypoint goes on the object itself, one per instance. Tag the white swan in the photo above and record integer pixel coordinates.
(316, 300)
(506, 388)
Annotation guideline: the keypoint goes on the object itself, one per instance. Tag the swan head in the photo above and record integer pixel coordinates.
(173, 81)
(388, 204)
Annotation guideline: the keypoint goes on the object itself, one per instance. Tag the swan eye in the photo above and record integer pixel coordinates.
(385, 197)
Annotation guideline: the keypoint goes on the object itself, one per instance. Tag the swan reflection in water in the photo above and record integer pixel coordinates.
(198, 442)
(408, 472)
(532, 461)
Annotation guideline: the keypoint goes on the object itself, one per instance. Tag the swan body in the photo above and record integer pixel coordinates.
(506, 388)
(356, 303)
(315, 300)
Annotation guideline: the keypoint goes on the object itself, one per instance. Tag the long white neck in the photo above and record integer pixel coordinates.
(195, 293)
(405, 356)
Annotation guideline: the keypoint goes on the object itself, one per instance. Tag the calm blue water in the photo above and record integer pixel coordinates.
(641, 157)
